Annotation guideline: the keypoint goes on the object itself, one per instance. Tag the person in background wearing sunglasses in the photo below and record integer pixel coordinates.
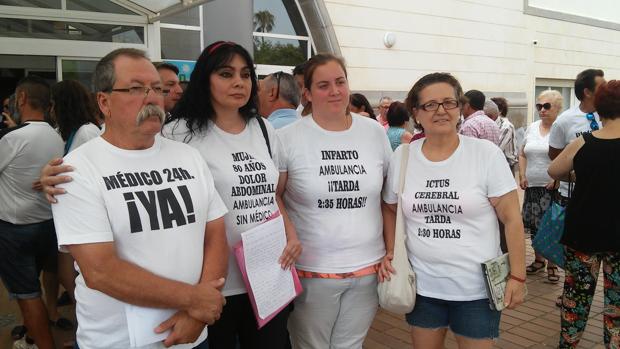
(575, 121)
(592, 223)
(533, 178)
(278, 97)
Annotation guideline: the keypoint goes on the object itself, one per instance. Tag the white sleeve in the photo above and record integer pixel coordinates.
(215, 205)
(7, 152)
(390, 188)
(282, 156)
(80, 216)
(557, 139)
(84, 134)
(387, 152)
(499, 177)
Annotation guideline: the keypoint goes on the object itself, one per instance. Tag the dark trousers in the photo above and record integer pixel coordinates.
(238, 322)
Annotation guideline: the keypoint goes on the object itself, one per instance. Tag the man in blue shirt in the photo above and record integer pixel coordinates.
(278, 98)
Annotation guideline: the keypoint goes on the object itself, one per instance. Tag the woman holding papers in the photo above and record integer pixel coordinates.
(217, 115)
(455, 190)
(332, 165)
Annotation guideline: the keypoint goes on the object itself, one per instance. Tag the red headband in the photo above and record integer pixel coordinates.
(218, 45)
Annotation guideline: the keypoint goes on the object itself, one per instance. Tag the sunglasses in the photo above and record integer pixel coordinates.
(593, 123)
(540, 107)
(277, 76)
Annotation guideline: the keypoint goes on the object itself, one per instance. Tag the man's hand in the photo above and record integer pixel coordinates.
(290, 253)
(49, 179)
(207, 302)
(185, 329)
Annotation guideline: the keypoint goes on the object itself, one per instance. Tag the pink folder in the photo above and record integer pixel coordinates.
(238, 250)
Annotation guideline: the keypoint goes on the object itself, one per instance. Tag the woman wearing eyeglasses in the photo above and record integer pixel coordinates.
(533, 178)
(592, 227)
(332, 165)
(455, 190)
(217, 115)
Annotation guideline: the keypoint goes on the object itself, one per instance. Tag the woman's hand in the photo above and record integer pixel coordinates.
(514, 293)
(551, 185)
(50, 178)
(386, 269)
(290, 254)
(523, 183)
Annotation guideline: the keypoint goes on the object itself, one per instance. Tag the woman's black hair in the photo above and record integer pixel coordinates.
(195, 106)
(73, 107)
(359, 100)
(397, 114)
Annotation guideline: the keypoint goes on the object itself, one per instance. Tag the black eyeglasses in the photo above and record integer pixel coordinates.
(434, 106)
(593, 123)
(140, 91)
(277, 76)
(540, 107)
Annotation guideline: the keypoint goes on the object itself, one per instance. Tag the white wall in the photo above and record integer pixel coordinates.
(486, 44)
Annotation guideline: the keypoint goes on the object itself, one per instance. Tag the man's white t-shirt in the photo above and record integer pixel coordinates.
(84, 134)
(571, 124)
(451, 226)
(333, 192)
(153, 204)
(536, 149)
(24, 150)
(245, 176)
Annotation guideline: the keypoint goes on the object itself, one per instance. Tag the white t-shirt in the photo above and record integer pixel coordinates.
(84, 134)
(536, 149)
(153, 204)
(451, 225)
(571, 124)
(245, 176)
(24, 150)
(333, 192)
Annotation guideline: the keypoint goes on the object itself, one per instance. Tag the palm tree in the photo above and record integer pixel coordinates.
(263, 22)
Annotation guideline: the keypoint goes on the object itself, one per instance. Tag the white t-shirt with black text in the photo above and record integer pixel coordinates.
(451, 225)
(244, 175)
(571, 124)
(333, 192)
(153, 204)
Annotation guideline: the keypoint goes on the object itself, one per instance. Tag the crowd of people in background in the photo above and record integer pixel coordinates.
(104, 224)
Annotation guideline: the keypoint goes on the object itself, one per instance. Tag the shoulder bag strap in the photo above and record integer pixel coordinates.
(263, 128)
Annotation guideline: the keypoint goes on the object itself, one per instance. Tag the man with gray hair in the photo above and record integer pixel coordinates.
(507, 132)
(384, 105)
(278, 96)
(142, 219)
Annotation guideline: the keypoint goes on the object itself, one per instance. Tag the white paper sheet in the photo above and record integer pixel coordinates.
(262, 247)
(141, 323)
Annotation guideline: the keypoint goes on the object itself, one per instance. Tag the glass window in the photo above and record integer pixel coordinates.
(180, 44)
(279, 17)
(42, 29)
(79, 70)
(97, 6)
(187, 17)
(32, 3)
(279, 51)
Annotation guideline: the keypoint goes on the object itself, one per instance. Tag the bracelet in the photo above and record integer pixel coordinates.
(516, 278)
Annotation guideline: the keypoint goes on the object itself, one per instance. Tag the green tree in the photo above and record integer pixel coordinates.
(263, 22)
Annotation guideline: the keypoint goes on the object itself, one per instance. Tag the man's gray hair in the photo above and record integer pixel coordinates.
(289, 91)
(491, 109)
(104, 77)
(385, 98)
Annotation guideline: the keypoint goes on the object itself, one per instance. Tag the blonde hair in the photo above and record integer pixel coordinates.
(555, 95)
